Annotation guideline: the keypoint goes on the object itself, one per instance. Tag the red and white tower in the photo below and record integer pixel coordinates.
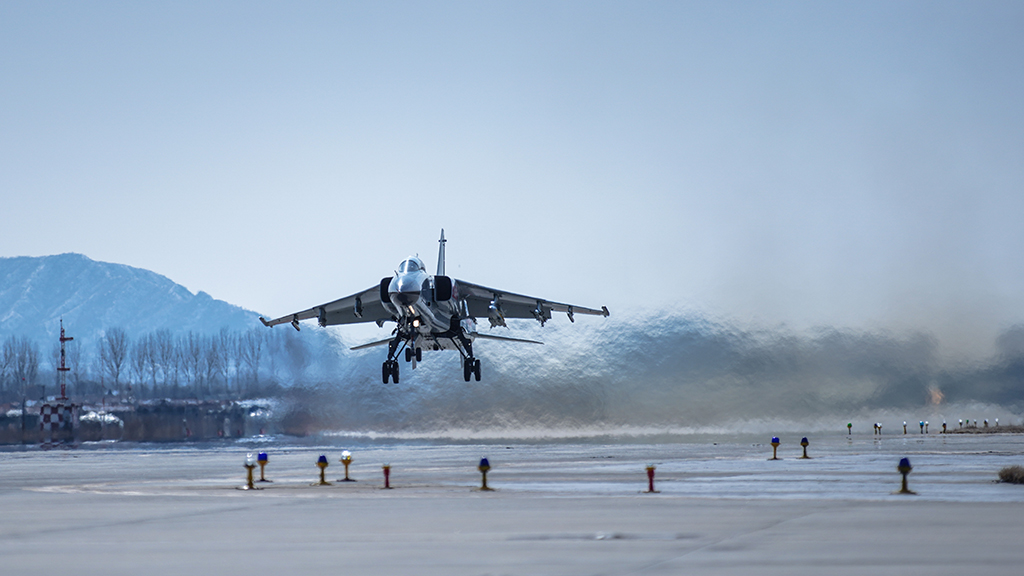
(59, 422)
(63, 367)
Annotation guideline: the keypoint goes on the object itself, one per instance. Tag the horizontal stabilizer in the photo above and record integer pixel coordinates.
(507, 338)
(372, 344)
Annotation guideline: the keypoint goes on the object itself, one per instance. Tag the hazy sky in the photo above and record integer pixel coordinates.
(854, 164)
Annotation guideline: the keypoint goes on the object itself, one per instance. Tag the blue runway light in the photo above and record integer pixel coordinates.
(322, 464)
(484, 466)
(805, 444)
(262, 460)
(904, 468)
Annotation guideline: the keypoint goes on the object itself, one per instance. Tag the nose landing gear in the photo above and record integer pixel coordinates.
(389, 370)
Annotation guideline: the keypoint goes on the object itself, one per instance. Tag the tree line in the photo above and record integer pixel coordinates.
(160, 364)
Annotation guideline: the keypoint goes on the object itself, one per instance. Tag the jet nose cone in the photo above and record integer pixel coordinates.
(405, 298)
(405, 291)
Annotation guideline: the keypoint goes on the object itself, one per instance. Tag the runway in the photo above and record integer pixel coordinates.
(558, 508)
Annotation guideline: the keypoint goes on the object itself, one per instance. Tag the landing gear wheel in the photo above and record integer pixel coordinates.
(389, 370)
(419, 354)
(408, 355)
(476, 370)
(467, 368)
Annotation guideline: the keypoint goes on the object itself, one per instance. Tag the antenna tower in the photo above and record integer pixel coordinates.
(63, 367)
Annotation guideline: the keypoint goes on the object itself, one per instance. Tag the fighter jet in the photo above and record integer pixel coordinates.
(432, 313)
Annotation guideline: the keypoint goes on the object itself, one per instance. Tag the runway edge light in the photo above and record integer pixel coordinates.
(262, 460)
(805, 443)
(650, 479)
(346, 459)
(250, 464)
(322, 464)
(904, 468)
(484, 466)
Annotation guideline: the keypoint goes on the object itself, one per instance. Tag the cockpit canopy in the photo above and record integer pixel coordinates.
(411, 264)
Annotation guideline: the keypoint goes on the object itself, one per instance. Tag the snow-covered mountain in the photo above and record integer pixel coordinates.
(91, 296)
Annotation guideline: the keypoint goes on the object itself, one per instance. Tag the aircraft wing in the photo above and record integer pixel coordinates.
(478, 299)
(363, 306)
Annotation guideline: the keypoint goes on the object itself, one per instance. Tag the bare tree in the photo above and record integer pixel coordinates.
(229, 363)
(226, 352)
(152, 360)
(7, 355)
(114, 354)
(276, 351)
(210, 364)
(168, 357)
(96, 367)
(250, 350)
(55, 363)
(74, 360)
(192, 360)
(140, 361)
(26, 362)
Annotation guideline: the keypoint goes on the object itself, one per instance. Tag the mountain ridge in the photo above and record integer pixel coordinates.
(92, 296)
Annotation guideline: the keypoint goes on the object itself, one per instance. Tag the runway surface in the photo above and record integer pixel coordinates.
(558, 508)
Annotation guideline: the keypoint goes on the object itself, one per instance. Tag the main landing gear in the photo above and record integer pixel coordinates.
(389, 370)
(471, 367)
(404, 341)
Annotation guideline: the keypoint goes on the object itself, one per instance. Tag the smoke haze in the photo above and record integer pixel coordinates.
(666, 371)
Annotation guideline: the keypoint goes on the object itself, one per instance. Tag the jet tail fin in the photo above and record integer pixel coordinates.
(440, 255)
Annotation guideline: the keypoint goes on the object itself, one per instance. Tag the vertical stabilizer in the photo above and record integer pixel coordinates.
(440, 255)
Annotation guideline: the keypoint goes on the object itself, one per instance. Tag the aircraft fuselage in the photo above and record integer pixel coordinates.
(422, 318)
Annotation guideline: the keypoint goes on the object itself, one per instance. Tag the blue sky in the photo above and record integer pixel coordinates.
(799, 163)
